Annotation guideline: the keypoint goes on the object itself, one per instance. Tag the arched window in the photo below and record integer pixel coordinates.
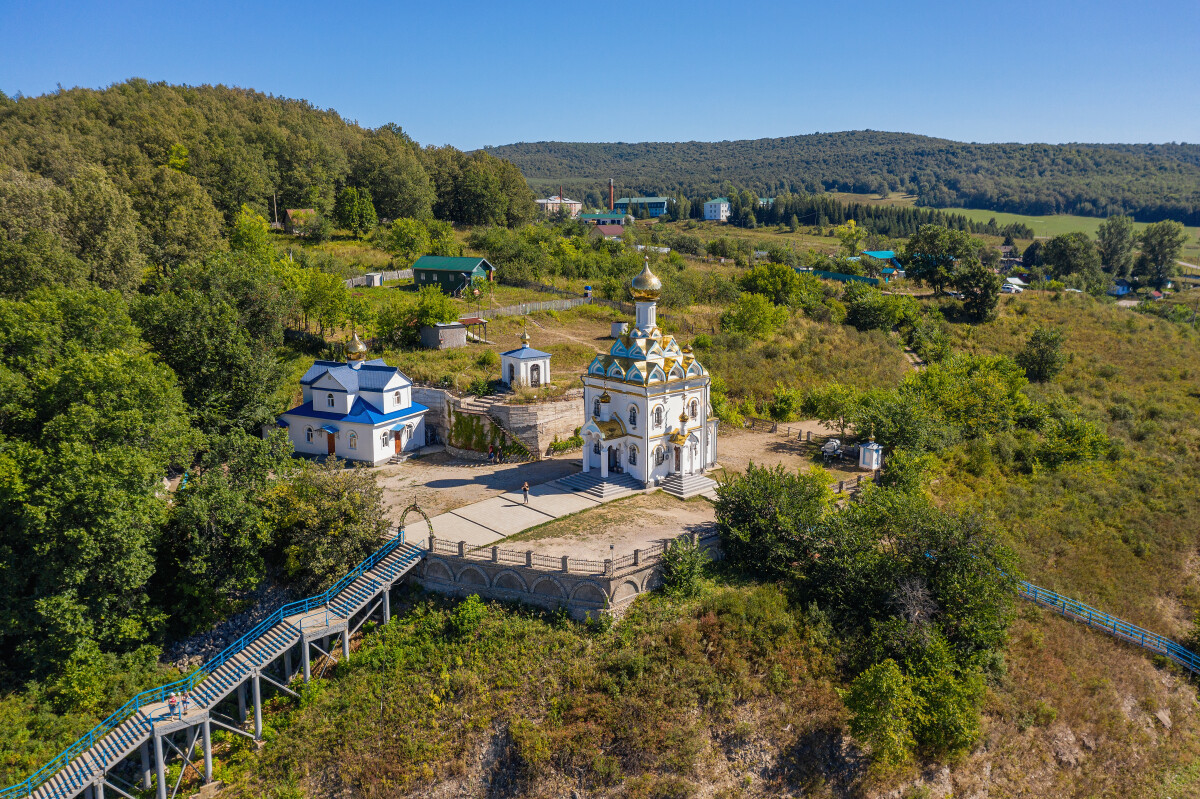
(694, 413)
(632, 418)
(658, 416)
(396, 398)
(354, 441)
(308, 434)
(660, 455)
(596, 407)
(596, 446)
(512, 378)
(633, 456)
(329, 400)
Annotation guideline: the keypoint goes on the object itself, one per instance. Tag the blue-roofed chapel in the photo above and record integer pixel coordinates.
(525, 366)
(361, 410)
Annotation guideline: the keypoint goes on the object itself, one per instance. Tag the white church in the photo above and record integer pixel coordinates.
(359, 410)
(647, 405)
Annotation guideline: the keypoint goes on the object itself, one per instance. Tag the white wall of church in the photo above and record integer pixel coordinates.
(374, 445)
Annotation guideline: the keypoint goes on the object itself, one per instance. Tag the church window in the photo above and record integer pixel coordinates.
(396, 398)
(329, 400)
(633, 417)
(633, 456)
(660, 455)
(658, 416)
(596, 407)
(354, 441)
(308, 435)
(695, 415)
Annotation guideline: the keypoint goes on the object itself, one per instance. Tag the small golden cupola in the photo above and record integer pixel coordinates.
(356, 351)
(604, 398)
(646, 287)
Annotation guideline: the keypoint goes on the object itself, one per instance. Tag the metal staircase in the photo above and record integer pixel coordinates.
(147, 723)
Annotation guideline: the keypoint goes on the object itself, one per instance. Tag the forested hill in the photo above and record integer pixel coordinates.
(160, 170)
(1149, 181)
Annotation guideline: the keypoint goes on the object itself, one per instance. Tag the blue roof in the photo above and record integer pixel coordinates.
(883, 255)
(361, 412)
(371, 376)
(525, 354)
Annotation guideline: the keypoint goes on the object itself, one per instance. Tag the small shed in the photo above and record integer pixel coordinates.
(451, 274)
(374, 279)
(444, 336)
(525, 366)
(870, 455)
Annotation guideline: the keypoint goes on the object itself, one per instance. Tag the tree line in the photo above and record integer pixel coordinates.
(1148, 182)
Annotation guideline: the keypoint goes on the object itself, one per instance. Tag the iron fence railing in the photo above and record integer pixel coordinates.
(156, 695)
(645, 556)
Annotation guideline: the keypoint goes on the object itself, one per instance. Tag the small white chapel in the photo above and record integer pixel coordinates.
(647, 403)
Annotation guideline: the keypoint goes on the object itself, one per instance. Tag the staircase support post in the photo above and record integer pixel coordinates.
(387, 605)
(241, 714)
(145, 750)
(304, 662)
(287, 665)
(160, 769)
(346, 641)
(257, 708)
(206, 733)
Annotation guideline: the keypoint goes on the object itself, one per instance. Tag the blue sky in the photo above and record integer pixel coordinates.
(471, 73)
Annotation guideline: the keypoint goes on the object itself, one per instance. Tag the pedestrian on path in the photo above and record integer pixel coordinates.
(171, 702)
(491, 453)
(184, 701)
(525, 491)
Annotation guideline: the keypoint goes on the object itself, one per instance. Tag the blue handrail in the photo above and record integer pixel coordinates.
(159, 694)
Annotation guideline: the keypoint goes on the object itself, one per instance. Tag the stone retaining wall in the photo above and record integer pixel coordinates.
(585, 588)
(535, 425)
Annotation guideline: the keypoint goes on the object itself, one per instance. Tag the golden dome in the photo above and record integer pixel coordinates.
(646, 286)
(525, 337)
(683, 418)
(356, 348)
(605, 398)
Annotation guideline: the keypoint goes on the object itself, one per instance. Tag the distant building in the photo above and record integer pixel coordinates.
(451, 274)
(884, 255)
(717, 210)
(605, 218)
(766, 202)
(655, 206)
(299, 221)
(1120, 288)
(525, 366)
(610, 231)
(444, 336)
(551, 205)
(359, 410)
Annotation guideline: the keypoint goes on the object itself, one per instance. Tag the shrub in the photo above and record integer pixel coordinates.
(754, 315)
(1042, 356)
(881, 702)
(682, 564)
(467, 617)
(487, 358)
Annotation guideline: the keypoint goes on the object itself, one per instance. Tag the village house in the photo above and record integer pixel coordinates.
(717, 210)
(553, 204)
(655, 206)
(451, 274)
(359, 410)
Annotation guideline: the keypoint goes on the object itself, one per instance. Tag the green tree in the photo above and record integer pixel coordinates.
(1161, 244)
(980, 288)
(1073, 254)
(434, 307)
(178, 220)
(345, 209)
(851, 236)
(1115, 241)
(441, 238)
(251, 235)
(833, 404)
(882, 705)
(37, 259)
(776, 282)
(682, 567)
(388, 165)
(407, 239)
(769, 517)
(1042, 357)
(326, 519)
(754, 315)
(103, 229)
(935, 254)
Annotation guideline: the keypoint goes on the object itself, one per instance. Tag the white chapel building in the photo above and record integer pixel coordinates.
(647, 405)
(359, 410)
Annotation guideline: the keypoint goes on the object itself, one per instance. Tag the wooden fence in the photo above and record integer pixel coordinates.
(363, 280)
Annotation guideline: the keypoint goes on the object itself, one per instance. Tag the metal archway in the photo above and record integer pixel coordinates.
(424, 515)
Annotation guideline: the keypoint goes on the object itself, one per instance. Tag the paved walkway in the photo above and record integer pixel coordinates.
(494, 519)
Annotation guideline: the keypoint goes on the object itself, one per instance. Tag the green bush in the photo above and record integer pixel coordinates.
(682, 565)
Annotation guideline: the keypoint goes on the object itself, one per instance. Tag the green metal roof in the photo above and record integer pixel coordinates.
(642, 200)
(447, 263)
(613, 215)
(718, 200)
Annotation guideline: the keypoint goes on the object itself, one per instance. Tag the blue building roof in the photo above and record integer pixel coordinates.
(371, 376)
(525, 354)
(883, 255)
(361, 412)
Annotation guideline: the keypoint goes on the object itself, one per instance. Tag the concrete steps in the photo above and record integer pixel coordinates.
(590, 484)
(686, 486)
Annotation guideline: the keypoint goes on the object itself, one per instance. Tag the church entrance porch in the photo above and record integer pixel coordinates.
(678, 460)
(398, 439)
(614, 460)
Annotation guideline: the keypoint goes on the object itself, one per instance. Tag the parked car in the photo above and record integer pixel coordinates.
(1009, 288)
